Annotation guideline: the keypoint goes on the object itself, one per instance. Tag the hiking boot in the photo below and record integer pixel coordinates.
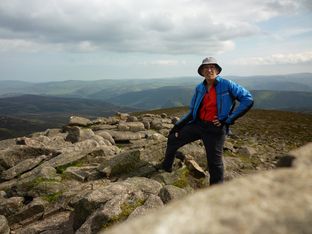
(159, 167)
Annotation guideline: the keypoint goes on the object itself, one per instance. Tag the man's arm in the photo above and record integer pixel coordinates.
(245, 101)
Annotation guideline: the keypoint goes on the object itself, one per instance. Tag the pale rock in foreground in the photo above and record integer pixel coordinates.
(278, 201)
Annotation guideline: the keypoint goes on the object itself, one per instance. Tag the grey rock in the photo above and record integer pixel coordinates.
(46, 188)
(4, 144)
(126, 136)
(47, 172)
(146, 185)
(2, 194)
(83, 173)
(163, 115)
(153, 202)
(122, 126)
(31, 212)
(247, 151)
(132, 119)
(136, 126)
(81, 151)
(123, 116)
(167, 125)
(104, 216)
(171, 192)
(11, 205)
(52, 132)
(4, 226)
(60, 223)
(15, 154)
(104, 127)
(115, 210)
(79, 121)
(106, 136)
(56, 142)
(228, 146)
(195, 169)
(122, 163)
(156, 124)
(76, 134)
(100, 140)
(95, 199)
(22, 167)
(146, 124)
(157, 137)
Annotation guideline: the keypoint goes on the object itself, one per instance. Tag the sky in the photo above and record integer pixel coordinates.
(55, 40)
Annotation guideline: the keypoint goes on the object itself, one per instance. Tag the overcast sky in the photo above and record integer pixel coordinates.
(50, 40)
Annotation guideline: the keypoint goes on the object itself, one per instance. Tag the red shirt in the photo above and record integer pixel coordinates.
(208, 108)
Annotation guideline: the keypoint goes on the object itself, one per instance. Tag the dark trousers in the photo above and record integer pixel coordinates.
(213, 138)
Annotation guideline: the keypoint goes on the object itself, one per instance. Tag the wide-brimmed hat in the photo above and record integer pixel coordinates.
(206, 61)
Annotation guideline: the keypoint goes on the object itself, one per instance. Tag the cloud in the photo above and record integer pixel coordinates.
(291, 58)
(167, 27)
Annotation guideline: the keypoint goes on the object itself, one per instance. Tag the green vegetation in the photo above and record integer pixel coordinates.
(127, 209)
(52, 197)
(182, 178)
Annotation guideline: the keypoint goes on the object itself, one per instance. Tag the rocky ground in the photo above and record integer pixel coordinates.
(90, 175)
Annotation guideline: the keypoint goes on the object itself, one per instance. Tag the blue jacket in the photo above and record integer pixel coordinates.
(227, 92)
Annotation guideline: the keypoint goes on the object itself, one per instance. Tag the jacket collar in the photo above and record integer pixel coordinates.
(216, 81)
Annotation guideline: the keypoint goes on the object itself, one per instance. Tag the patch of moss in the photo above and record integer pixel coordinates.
(39, 180)
(182, 180)
(61, 169)
(53, 197)
(127, 209)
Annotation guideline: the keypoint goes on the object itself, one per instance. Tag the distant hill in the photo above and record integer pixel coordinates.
(106, 89)
(180, 96)
(283, 100)
(25, 114)
(170, 96)
(42, 105)
(293, 82)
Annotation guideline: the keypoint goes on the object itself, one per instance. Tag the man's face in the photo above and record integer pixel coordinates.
(210, 71)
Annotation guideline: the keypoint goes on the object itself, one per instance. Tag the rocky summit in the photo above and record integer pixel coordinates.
(100, 176)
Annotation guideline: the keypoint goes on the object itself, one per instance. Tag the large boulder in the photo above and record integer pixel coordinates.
(122, 163)
(15, 154)
(115, 210)
(171, 192)
(124, 136)
(131, 126)
(153, 202)
(79, 121)
(76, 134)
(91, 201)
(57, 223)
(22, 167)
(32, 211)
(106, 136)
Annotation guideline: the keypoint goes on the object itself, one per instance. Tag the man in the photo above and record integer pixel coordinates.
(211, 113)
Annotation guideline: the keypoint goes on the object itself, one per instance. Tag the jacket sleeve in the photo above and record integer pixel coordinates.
(189, 116)
(245, 101)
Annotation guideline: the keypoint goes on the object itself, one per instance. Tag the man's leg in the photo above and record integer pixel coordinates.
(187, 134)
(213, 139)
